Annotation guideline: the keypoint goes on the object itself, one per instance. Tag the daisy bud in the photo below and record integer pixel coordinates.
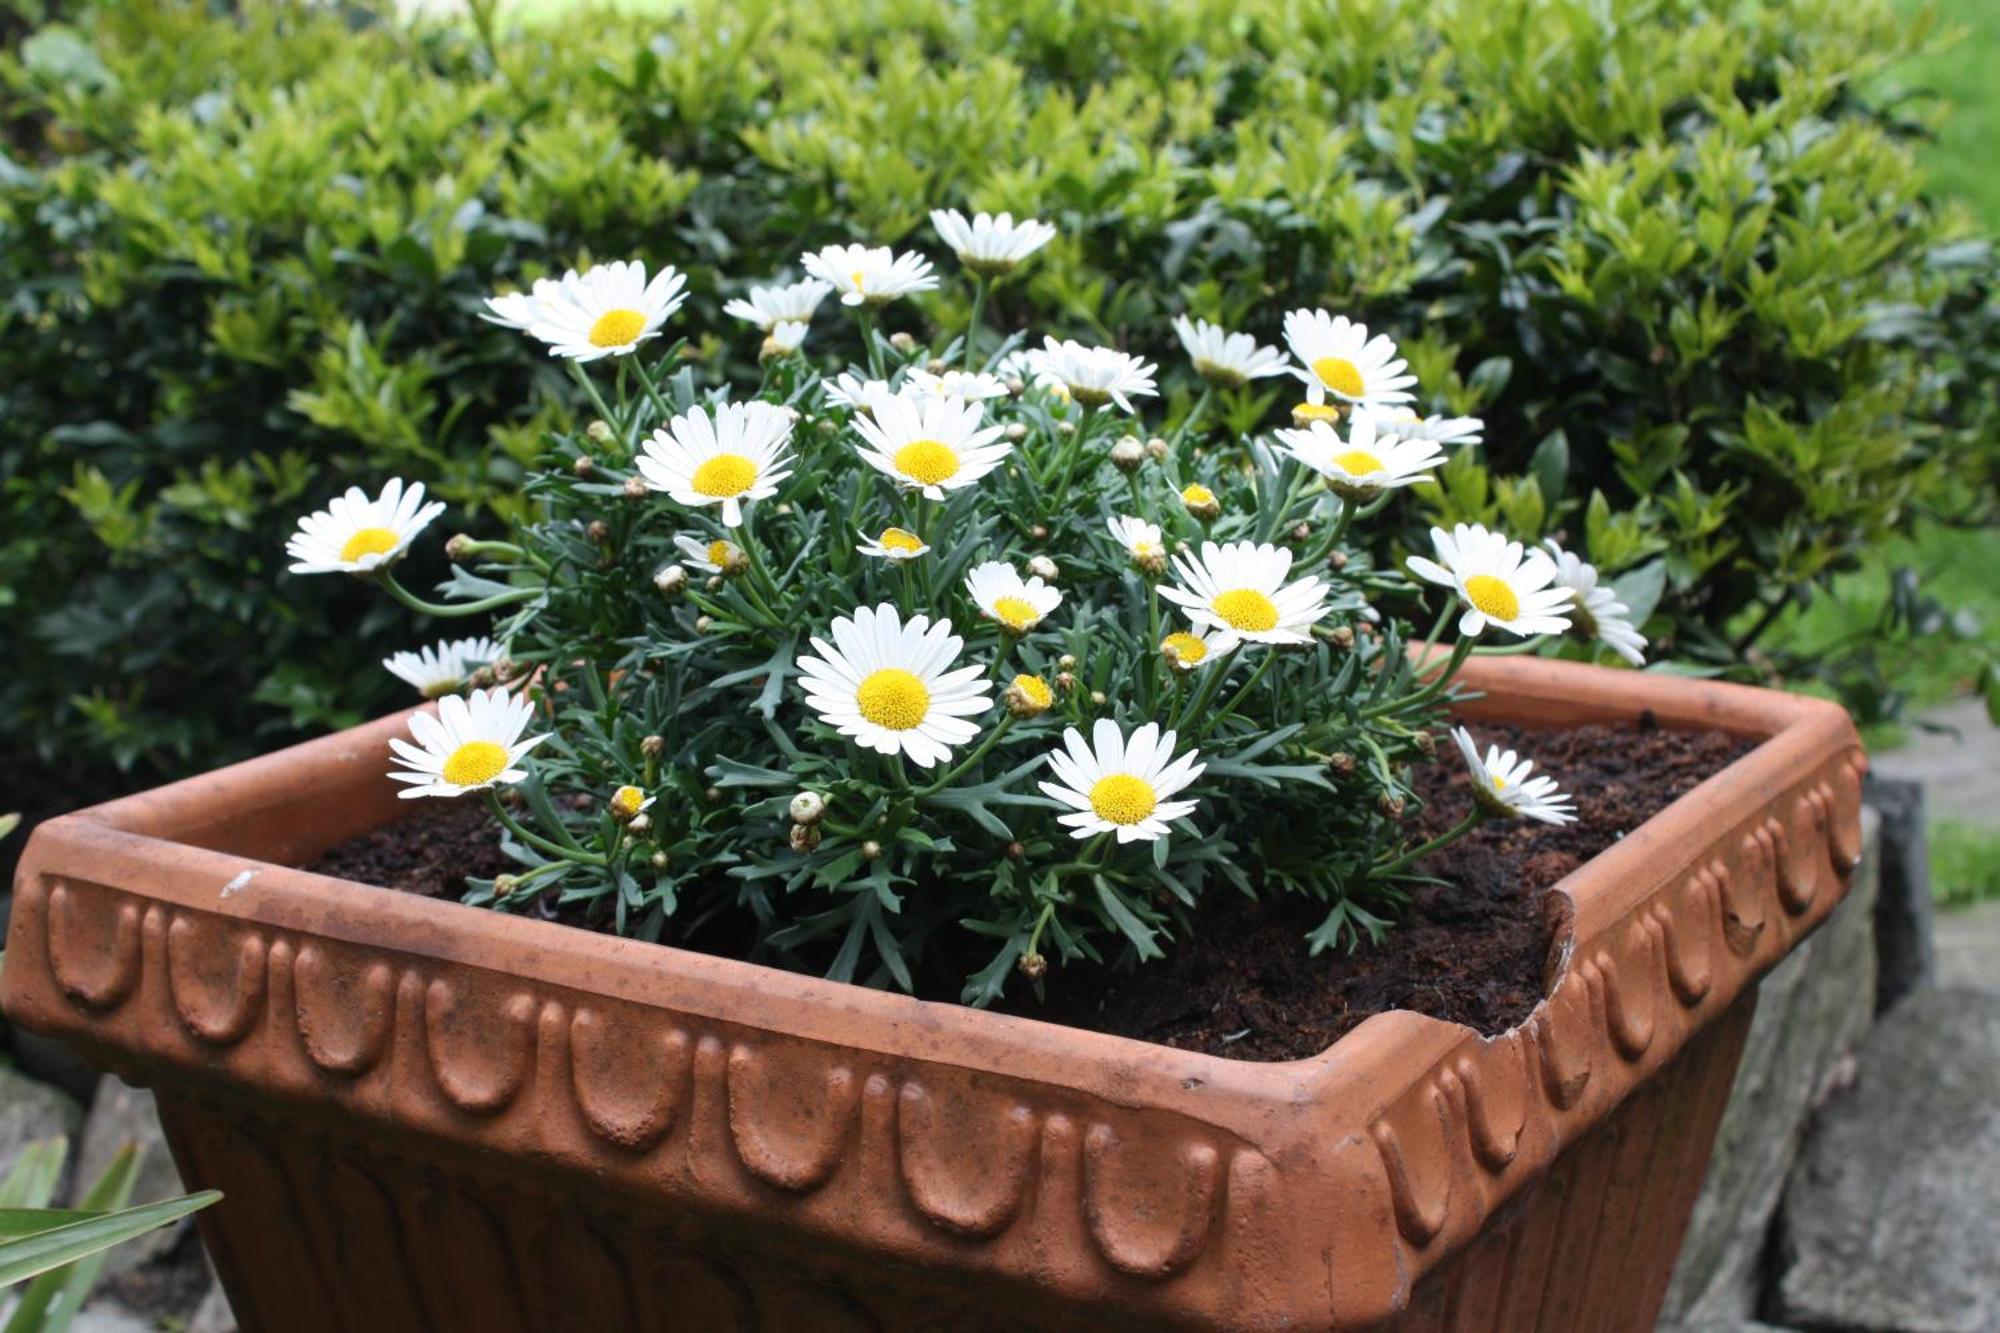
(713, 583)
(1016, 432)
(713, 795)
(1065, 681)
(658, 860)
(1391, 806)
(871, 850)
(627, 802)
(784, 508)
(703, 624)
(1156, 448)
(1067, 661)
(1065, 428)
(1128, 455)
(937, 365)
(1427, 743)
(600, 432)
(1039, 532)
(458, 547)
(506, 886)
(1341, 637)
(583, 466)
(1016, 852)
(730, 558)
(653, 746)
(1304, 414)
(1097, 698)
(1200, 502)
(1027, 696)
(1342, 764)
(903, 342)
(1043, 568)
(803, 837)
(1033, 966)
(1337, 559)
(599, 531)
(507, 669)
(808, 807)
(482, 678)
(671, 580)
(1302, 532)
(1017, 386)
(638, 824)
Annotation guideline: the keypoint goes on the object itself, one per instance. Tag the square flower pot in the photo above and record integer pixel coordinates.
(430, 1116)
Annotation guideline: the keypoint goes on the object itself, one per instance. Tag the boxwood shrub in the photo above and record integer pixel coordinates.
(241, 255)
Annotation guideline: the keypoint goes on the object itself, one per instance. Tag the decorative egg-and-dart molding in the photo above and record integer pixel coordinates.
(474, 1076)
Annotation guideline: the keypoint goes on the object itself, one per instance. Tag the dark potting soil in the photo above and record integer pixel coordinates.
(1472, 948)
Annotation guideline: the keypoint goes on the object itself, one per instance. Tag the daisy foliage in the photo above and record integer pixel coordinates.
(963, 657)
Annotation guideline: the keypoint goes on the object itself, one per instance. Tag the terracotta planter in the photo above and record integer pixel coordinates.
(427, 1116)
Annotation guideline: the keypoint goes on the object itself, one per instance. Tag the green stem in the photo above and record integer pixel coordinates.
(452, 609)
(1205, 695)
(980, 286)
(1451, 835)
(582, 377)
(1270, 655)
(536, 840)
(1459, 652)
(1528, 645)
(865, 317)
(992, 739)
(1194, 416)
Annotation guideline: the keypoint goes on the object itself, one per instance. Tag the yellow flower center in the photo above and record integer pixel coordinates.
(1147, 550)
(1495, 600)
(616, 328)
(1340, 375)
(856, 277)
(1184, 648)
(1197, 494)
(1315, 412)
(1246, 609)
(718, 552)
(725, 475)
(895, 539)
(1357, 462)
(475, 762)
(927, 461)
(625, 802)
(1120, 798)
(1035, 690)
(1016, 613)
(368, 541)
(893, 698)
(1499, 783)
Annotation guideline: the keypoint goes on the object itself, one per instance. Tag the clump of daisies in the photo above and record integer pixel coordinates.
(971, 653)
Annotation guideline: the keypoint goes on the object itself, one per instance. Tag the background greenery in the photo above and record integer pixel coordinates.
(1677, 251)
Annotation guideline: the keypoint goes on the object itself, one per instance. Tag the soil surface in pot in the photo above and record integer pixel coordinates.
(1472, 948)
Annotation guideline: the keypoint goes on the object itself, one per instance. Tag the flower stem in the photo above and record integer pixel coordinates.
(981, 284)
(452, 609)
(1451, 835)
(865, 317)
(992, 739)
(536, 840)
(582, 377)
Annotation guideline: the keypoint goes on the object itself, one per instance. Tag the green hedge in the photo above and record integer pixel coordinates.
(242, 257)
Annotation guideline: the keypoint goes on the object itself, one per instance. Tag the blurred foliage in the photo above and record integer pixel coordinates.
(241, 256)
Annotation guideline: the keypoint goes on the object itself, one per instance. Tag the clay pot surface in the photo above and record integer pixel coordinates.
(431, 1116)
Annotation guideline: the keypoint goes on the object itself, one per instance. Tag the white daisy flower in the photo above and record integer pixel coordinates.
(354, 534)
(711, 557)
(517, 310)
(768, 307)
(736, 456)
(1366, 462)
(474, 742)
(1596, 612)
(889, 686)
(1501, 785)
(1226, 359)
(1003, 596)
(1240, 589)
(442, 668)
(874, 275)
(1119, 784)
(1339, 358)
(607, 311)
(1095, 376)
(851, 391)
(989, 244)
(971, 386)
(1141, 540)
(1500, 583)
(784, 338)
(1187, 649)
(931, 444)
(893, 544)
(1407, 425)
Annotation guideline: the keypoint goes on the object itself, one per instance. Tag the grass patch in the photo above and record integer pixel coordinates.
(1961, 74)
(1965, 863)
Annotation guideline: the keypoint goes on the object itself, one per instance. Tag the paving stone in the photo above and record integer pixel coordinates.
(214, 1314)
(1887, 1222)
(1959, 766)
(118, 1114)
(31, 1110)
(1968, 946)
